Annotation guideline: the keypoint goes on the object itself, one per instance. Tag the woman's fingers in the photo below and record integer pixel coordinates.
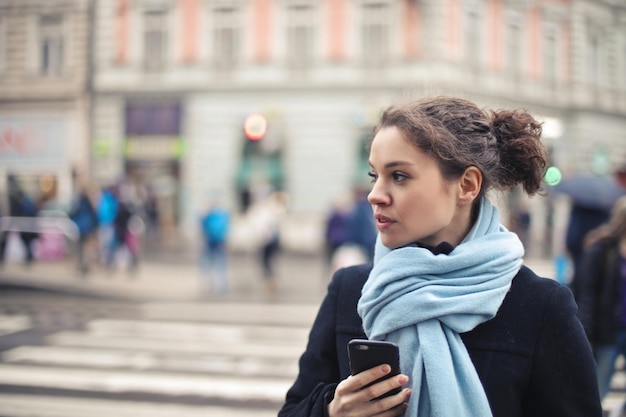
(359, 381)
(366, 381)
(361, 394)
(391, 406)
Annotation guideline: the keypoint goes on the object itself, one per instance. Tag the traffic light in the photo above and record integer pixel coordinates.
(553, 176)
(255, 126)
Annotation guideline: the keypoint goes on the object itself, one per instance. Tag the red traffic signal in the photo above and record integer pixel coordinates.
(255, 126)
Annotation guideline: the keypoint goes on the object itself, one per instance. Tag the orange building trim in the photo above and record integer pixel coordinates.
(121, 36)
(495, 19)
(190, 9)
(410, 29)
(453, 25)
(262, 23)
(336, 29)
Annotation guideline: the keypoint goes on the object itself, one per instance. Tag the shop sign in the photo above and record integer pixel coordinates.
(24, 143)
(152, 148)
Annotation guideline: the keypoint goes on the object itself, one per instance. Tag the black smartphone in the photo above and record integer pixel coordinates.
(364, 354)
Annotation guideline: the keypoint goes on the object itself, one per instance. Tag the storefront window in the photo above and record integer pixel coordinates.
(152, 163)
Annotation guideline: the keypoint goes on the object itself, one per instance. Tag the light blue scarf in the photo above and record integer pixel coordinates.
(423, 301)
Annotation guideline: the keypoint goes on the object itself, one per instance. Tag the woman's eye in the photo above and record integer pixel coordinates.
(372, 176)
(398, 176)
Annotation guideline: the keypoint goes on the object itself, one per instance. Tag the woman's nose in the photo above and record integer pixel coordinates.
(377, 195)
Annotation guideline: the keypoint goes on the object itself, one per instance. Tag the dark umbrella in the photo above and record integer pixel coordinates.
(591, 190)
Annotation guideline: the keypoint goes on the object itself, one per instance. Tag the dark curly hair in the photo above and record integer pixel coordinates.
(505, 145)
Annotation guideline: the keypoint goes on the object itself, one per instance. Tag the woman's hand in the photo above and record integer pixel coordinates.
(352, 399)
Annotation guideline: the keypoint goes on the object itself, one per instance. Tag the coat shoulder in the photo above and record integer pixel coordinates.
(346, 288)
(350, 279)
(529, 302)
(527, 282)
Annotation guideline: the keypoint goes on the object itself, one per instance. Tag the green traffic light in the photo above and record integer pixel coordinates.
(553, 176)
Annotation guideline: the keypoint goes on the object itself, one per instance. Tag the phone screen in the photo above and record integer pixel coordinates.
(365, 354)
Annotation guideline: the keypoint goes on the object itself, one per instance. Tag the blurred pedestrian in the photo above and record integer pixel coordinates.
(582, 220)
(4, 224)
(479, 334)
(361, 225)
(127, 230)
(21, 204)
(83, 214)
(602, 295)
(593, 196)
(266, 214)
(337, 232)
(107, 210)
(215, 226)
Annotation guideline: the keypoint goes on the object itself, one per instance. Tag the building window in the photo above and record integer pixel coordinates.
(513, 45)
(472, 28)
(51, 44)
(226, 36)
(594, 58)
(550, 52)
(300, 35)
(155, 39)
(596, 55)
(375, 36)
(153, 119)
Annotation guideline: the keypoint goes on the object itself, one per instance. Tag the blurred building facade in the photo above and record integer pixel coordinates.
(174, 81)
(45, 93)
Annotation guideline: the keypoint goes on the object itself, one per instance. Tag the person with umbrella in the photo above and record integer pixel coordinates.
(602, 296)
(592, 196)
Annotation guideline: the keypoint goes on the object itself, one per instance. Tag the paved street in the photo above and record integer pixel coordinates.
(152, 344)
(174, 275)
(170, 276)
(108, 358)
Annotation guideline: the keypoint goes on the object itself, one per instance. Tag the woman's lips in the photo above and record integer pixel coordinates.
(383, 222)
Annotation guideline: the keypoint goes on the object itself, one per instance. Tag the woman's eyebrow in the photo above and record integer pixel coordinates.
(394, 164)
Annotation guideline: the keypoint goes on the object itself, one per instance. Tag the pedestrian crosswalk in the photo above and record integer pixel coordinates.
(39, 405)
(616, 398)
(14, 323)
(169, 359)
(224, 359)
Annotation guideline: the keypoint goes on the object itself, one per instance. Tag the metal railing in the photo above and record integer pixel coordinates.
(47, 221)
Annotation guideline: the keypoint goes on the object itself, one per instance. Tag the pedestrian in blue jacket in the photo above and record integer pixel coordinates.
(479, 334)
(214, 257)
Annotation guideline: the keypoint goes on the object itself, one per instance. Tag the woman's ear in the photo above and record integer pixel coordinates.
(469, 185)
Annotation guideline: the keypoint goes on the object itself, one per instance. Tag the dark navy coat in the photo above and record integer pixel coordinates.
(533, 358)
(600, 295)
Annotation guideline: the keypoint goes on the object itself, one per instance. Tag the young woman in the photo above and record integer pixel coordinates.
(479, 333)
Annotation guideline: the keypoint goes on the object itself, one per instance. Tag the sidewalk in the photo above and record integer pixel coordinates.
(302, 278)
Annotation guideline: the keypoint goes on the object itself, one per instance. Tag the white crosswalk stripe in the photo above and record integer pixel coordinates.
(259, 348)
(616, 398)
(14, 324)
(144, 360)
(212, 360)
(36, 405)
(226, 360)
(114, 381)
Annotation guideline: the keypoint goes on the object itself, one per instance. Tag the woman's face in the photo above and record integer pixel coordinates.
(410, 198)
